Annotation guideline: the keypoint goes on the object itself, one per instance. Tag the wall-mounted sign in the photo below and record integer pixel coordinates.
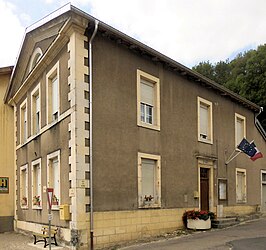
(222, 189)
(4, 185)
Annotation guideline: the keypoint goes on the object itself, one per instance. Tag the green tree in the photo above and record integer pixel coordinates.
(206, 69)
(245, 75)
(222, 72)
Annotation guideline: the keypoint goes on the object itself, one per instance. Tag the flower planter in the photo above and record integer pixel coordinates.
(37, 203)
(199, 224)
(148, 203)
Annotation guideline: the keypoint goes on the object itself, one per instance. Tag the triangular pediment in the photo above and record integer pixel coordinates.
(39, 39)
(42, 42)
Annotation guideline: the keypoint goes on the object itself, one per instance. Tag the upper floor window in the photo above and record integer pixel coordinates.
(35, 110)
(148, 95)
(205, 131)
(240, 128)
(23, 122)
(36, 56)
(53, 96)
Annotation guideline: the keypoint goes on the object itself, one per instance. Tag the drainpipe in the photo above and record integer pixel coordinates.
(90, 110)
(258, 125)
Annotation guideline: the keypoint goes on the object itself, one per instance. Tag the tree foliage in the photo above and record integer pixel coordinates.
(245, 75)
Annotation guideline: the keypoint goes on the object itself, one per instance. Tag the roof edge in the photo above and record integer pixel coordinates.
(6, 70)
(154, 53)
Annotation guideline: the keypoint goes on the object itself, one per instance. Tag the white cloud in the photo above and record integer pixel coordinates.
(188, 31)
(25, 18)
(12, 33)
(48, 1)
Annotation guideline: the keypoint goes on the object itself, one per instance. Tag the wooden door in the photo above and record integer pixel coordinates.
(204, 189)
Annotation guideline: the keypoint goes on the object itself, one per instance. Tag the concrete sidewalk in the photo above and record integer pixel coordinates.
(18, 241)
(245, 236)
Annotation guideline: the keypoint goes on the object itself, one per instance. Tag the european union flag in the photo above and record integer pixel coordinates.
(247, 148)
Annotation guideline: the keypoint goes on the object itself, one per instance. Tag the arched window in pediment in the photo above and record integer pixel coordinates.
(35, 57)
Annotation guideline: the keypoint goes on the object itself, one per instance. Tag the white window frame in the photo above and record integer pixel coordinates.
(23, 122)
(35, 127)
(243, 119)
(244, 171)
(34, 164)
(209, 136)
(50, 157)
(36, 56)
(24, 190)
(156, 202)
(51, 116)
(156, 108)
(263, 172)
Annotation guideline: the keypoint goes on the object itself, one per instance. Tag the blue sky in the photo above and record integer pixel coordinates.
(188, 31)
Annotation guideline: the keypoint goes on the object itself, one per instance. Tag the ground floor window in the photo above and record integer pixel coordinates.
(241, 190)
(53, 177)
(149, 180)
(24, 186)
(36, 184)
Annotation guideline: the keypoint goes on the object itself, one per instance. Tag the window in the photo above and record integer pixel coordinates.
(149, 180)
(241, 192)
(240, 128)
(36, 184)
(52, 87)
(204, 121)
(53, 171)
(148, 95)
(24, 186)
(36, 56)
(263, 177)
(23, 122)
(35, 111)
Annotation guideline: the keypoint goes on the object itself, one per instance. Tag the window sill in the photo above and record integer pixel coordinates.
(149, 126)
(36, 207)
(47, 127)
(205, 141)
(24, 206)
(241, 202)
(147, 206)
(55, 207)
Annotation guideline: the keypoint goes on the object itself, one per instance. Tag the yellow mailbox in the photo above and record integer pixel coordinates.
(64, 212)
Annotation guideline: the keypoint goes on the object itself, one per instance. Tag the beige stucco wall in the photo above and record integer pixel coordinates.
(67, 135)
(118, 139)
(6, 155)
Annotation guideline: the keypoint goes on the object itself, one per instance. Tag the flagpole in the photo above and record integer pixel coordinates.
(232, 157)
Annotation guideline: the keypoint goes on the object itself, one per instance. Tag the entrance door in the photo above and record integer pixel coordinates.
(204, 189)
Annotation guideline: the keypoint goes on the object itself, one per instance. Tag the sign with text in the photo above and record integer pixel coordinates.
(4, 185)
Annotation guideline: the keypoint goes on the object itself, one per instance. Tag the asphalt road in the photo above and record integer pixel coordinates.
(248, 235)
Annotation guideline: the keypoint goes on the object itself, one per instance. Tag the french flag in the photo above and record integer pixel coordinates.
(257, 154)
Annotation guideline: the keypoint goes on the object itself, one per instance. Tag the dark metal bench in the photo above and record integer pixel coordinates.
(45, 236)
